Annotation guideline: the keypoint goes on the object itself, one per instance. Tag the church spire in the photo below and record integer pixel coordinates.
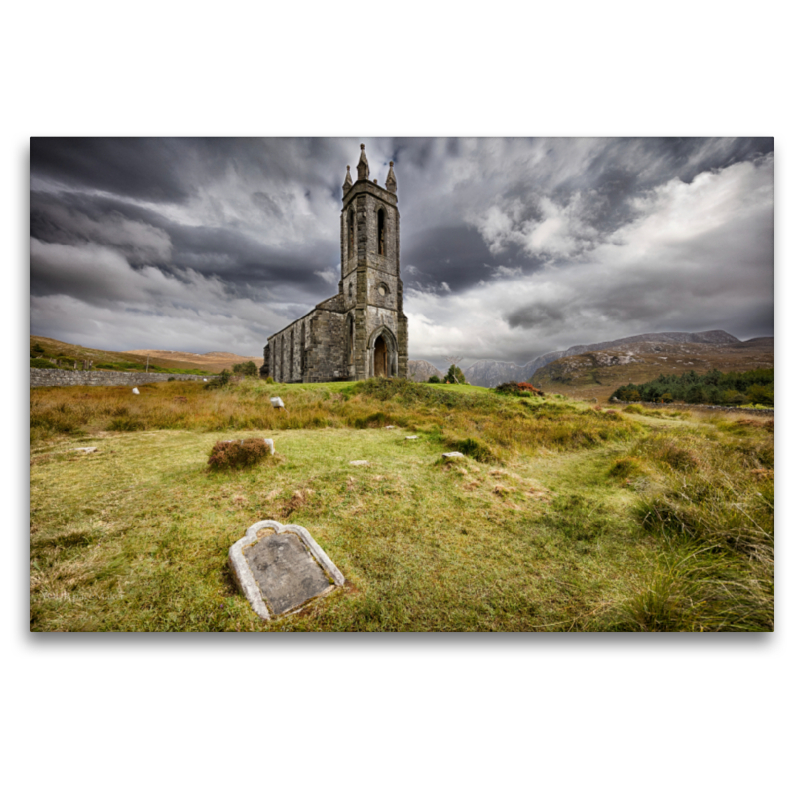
(363, 165)
(391, 181)
(348, 181)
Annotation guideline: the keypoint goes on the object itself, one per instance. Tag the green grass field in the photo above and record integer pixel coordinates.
(563, 517)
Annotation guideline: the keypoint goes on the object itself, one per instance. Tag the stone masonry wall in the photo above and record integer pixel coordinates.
(66, 377)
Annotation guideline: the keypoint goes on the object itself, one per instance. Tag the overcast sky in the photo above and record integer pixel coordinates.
(510, 248)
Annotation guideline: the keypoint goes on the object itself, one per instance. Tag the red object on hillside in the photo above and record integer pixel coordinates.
(526, 387)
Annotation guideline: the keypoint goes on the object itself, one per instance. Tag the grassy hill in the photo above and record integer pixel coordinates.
(598, 374)
(562, 517)
(169, 360)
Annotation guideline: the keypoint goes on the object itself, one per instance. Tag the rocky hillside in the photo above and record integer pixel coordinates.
(76, 354)
(214, 361)
(421, 370)
(491, 373)
(596, 374)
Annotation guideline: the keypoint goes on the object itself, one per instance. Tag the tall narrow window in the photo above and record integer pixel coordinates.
(351, 338)
(351, 233)
(381, 233)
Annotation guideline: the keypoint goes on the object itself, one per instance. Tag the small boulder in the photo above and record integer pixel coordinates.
(359, 463)
(86, 449)
(388, 427)
(412, 437)
(271, 445)
(454, 454)
(277, 402)
(135, 390)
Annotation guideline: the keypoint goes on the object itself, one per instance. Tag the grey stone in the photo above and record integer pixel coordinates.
(454, 454)
(280, 568)
(277, 402)
(359, 463)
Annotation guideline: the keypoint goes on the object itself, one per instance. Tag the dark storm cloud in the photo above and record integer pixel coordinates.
(148, 169)
(510, 247)
(456, 256)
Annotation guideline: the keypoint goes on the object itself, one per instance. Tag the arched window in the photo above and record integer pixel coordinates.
(381, 233)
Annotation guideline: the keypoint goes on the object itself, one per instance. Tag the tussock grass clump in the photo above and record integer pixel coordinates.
(634, 408)
(236, 455)
(626, 467)
(677, 457)
(638, 408)
(579, 518)
(474, 448)
(720, 513)
(696, 590)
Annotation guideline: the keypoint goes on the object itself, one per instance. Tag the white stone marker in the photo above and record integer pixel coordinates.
(277, 402)
(282, 569)
(359, 463)
(454, 454)
(412, 437)
(86, 449)
(135, 390)
(388, 427)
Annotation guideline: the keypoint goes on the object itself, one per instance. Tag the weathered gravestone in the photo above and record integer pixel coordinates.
(280, 568)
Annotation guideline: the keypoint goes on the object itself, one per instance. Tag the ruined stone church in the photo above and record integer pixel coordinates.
(361, 332)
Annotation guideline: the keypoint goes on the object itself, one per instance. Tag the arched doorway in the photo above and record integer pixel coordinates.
(381, 361)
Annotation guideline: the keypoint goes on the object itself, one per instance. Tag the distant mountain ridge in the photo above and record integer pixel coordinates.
(491, 373)
(421, 370)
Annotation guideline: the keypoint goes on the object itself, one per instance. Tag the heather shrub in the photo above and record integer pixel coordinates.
(237, 454)
(521, 389)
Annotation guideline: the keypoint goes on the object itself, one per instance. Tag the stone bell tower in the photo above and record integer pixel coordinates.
(376, 330)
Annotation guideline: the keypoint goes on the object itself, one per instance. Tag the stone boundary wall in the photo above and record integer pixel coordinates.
(68, 377)
(695, 407)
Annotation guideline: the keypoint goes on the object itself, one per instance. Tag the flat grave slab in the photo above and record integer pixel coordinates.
(280, 568)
